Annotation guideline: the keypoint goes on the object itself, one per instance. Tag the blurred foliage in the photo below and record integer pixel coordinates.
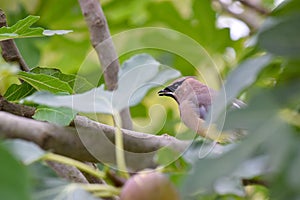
(15, 183)
(270, 153)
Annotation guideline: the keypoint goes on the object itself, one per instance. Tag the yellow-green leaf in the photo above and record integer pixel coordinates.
(45, 82)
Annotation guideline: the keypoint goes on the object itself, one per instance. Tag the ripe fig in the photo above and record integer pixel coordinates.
(149, 186)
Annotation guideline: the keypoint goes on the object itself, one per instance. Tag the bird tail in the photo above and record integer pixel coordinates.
(232, 136)
(224, 137)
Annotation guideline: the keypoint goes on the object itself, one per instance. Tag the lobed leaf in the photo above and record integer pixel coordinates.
(45, 82)
(60, 116)
(138, 75)
(22, 30)
(76, 82)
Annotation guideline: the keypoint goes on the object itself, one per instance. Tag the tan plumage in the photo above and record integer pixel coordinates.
(194, 100)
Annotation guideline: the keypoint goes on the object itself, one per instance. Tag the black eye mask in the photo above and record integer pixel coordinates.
(174, 86)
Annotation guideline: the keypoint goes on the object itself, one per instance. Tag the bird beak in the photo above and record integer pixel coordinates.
(165, 92)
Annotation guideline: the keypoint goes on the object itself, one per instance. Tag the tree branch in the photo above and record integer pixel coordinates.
(131, 137)
(16, 109)
(101, 41)
(103, 44)
(10, 52)
(69, 172)
(88, 140)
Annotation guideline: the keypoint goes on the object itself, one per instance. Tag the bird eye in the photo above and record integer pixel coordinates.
(174, 86)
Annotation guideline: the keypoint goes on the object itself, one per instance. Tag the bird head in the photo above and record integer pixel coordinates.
(170, 90)
(184, 88)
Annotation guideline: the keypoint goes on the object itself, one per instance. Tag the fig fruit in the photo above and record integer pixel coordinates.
(149, 186)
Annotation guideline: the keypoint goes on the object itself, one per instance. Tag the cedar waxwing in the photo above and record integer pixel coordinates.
(194, 100)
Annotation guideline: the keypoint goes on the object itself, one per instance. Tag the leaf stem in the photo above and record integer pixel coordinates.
(69, 161)
(101, 190)
(120, 156)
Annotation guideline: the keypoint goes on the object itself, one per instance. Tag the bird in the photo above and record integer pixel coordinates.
(194, 100)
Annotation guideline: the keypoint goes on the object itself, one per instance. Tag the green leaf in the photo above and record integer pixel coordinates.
(244, 75)
(45, 82)
(27, 152)
(22, 30)
(78, 83)
(59, 116)
(200, 26)
(287, 8)
(281, 36)
(205, 20)
(16, 92)
(293, 174)
(14, 179)
(47, 71)
(138, 75)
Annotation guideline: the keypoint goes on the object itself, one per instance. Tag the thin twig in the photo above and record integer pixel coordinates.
(255, 7)
(247, 182)
(70, 173)
(90, 178)
(103, 44)
(117, 180)
(73, 163)
(248, 18)
(10, 51)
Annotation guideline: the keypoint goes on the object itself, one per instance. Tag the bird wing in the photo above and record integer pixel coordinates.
(190, 117)
(202, 111)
